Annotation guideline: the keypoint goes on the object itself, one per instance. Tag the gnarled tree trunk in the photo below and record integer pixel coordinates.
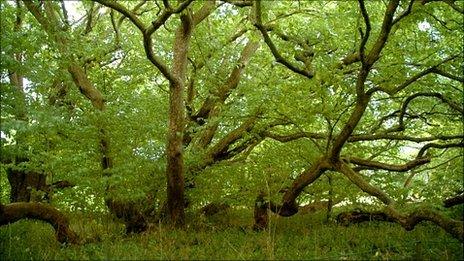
(23, 182)
(16, 211)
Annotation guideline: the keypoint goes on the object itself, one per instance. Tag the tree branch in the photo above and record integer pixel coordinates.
(239, 3)
(391, 136)
(387, 24)
(308, 176)
(359, 181)
(405, 12)
(419, 75)
(365, 35)
(408, 222)
(454, 227)
(219, 96)
(220, 148)
(148, 31)
(427, 146)
(453, 201)
(16, 211)
(125, 12)
(369, 164)
(279, 58)
(207, 8)
(440, 96)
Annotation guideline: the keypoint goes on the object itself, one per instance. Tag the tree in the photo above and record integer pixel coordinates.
(177, 135)
(368, 54)
(233, 99)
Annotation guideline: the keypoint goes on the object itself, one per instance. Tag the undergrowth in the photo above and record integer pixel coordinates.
(229, 236)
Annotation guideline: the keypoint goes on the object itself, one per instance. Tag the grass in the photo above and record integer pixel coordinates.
(229, 236)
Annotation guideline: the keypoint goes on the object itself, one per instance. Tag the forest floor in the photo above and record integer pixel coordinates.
(229, 236)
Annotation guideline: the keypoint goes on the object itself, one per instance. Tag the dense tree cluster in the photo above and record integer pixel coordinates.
(152, 108)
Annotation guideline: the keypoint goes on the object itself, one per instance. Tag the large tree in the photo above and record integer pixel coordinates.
(372, 82)
(238, 99)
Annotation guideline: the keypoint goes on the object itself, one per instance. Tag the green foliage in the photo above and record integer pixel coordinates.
(48, 121)
(228, 236)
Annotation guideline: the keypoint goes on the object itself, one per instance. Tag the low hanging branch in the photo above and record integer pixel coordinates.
(16, 211)
(455, 228)
(358, 216)
(409, 221)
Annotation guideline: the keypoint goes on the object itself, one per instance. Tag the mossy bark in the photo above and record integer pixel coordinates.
(23, 182)
(261, 213)
(16, 211)
(130, 213)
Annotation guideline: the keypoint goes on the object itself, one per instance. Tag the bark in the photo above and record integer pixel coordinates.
(214, 208)
(130, 213)
(174, 150)
(16, 211)
(453, 201)
(289, 206)
(408, 222)
(358, 216)
(359, 181)
(261, 213)
(23, 182)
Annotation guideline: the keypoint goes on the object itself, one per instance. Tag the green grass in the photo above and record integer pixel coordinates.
(228, 236)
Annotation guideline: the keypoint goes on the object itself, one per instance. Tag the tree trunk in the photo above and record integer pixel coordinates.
(175, 162)
(261, 213)
(130, 213)
(23, 182)
(16, 211)
(174, 150)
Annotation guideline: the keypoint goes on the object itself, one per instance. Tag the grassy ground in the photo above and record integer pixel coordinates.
(228, 236)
